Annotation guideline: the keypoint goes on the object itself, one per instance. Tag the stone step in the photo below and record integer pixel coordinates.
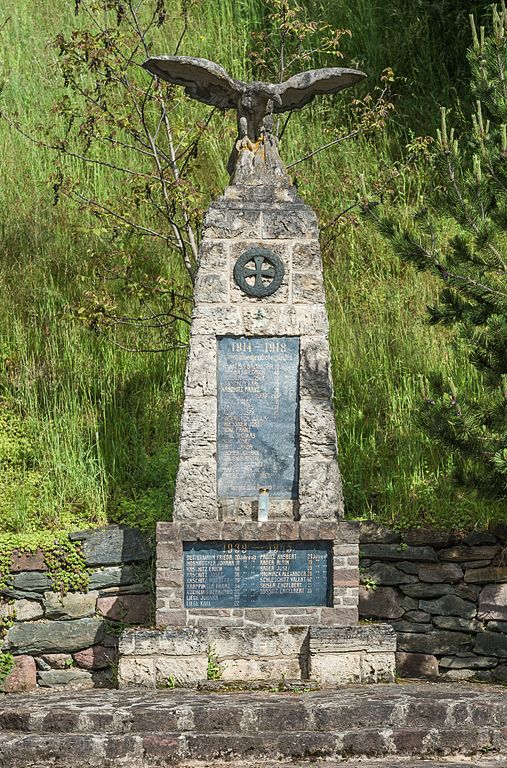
(422, 705)
(142, 728)
(72, 750)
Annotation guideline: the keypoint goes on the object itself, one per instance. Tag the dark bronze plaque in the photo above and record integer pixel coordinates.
(258, 419)
(257, 574)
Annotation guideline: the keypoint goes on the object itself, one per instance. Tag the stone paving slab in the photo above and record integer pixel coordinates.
(398, 723)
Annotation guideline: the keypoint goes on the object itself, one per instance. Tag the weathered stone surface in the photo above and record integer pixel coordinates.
(426, 536)
(55, 636)
(137, 672)
(373, 638)
(408, 567)
(416, 665)
(491, 644)
(373, 533)
(27, 610)
(480, 537)
(74, 605)
(23, 676)
(454, 622)
(131, 609)
(398, 552)
(113, 544)
(433, 642)
(440, 572)
(500, 673)
(184, 641)
(387, 574)
(55, 661)
(464, 553)
(467, 591)
(187, 670)
(449, 605)
(59, 678)
(379, 603)
(31, 581)
(114, 576)
(426, 590)
(256, 641)
(352, 667)
(493, 573)
(410, 626)
(96, 657)
(468, 662)
(274, 669)
(497, 626)
(27, 561)
(419, 616)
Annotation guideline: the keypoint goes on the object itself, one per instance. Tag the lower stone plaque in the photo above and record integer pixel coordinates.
(257, 574)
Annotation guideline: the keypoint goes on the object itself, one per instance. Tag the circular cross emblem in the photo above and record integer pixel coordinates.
(259, 272)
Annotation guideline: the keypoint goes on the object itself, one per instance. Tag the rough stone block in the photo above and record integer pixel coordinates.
(433, 643)
(426, 590)
(136, 672)
(130, 609)
(307, 287)
(54, 661)
(306, 256)
(74, 605)
(212, 287)
(253, 641)
(449, 605)
(112, 544)
(184, 641)
(251, 669)
(458, 554)
(493, 603)
(378, 667)
(296, 224)
(416, 665)
(22, 677)
(371, 532)
(27, 610)
(440, 572)
(314, 368)
(55, 636)
(96, 657)
(31, 581)
(214, 255)
(336, 668)
(398, 552)
(224, 223)
(114, 576)
(387, 575)
(456, 623)
(382, 603)
(27, 561)
(468, 662)
(492, 573)
(185, 670)
(303, 320)
(63, 678)
(491, 644)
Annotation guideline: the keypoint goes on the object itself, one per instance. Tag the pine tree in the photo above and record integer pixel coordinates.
(461, 237)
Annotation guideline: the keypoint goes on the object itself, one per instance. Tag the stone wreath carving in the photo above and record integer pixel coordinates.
(258, 272)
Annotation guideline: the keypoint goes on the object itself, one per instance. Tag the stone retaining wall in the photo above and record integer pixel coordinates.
(73, 640)
(445, 596)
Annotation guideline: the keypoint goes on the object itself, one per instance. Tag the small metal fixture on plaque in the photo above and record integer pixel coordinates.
(259, 272)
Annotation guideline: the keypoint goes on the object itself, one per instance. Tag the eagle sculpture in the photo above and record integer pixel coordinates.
(210, 83)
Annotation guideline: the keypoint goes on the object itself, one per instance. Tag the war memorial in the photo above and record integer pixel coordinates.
(257, 653)
(258, 564)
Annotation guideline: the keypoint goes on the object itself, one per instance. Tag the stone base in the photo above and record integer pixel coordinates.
(187, 656)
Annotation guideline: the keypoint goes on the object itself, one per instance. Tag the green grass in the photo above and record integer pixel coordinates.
(89, 432)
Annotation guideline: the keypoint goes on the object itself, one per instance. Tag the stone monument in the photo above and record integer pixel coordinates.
(258, 564)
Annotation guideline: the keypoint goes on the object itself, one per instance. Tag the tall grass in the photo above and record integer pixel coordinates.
(100, 426)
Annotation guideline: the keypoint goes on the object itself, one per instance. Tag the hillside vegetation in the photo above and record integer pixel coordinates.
(88, 431)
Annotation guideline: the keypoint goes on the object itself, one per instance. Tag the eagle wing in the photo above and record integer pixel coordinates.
(203, 80)
(302, 88)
